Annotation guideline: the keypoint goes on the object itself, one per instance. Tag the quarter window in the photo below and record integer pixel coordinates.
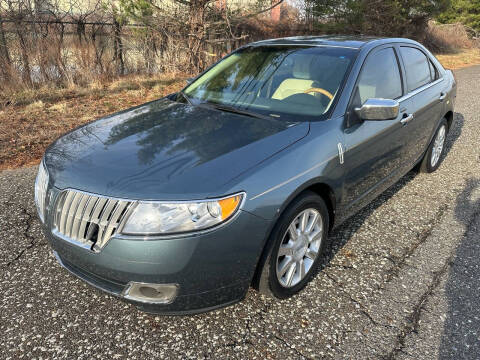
(417, 67)
(380, 77)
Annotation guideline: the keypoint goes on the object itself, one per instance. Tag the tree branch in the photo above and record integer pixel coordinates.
(263, 10)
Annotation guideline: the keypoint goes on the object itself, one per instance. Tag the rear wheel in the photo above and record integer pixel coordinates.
(295, 247)
(433, 156)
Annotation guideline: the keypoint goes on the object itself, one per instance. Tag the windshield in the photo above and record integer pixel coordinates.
(288, 82)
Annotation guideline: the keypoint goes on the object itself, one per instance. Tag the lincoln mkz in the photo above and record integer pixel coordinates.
(181, 204)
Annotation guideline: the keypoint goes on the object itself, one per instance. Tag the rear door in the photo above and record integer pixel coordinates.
(424, 87)
(374, 149)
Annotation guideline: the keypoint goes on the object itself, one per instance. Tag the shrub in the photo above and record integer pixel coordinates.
(447, 38)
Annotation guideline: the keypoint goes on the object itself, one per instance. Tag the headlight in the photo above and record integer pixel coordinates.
(41, 184)
(176, 217)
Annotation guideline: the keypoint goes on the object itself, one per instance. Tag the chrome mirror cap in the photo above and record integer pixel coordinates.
(378, 109)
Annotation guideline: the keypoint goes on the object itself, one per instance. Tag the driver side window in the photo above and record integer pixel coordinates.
(380, 77)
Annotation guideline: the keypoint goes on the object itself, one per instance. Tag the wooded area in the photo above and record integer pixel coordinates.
(65, 42)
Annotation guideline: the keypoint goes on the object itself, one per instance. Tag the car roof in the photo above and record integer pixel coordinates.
(346, 41)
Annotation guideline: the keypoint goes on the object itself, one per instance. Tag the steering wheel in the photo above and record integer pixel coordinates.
(319, 90)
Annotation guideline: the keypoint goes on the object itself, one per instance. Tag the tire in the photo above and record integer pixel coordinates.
(271, 282)
(433, 157)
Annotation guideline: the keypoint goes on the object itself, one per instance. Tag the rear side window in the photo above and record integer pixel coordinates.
(417, 67)
(380, 77)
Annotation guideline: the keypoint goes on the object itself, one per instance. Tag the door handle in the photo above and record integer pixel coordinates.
(442, 96)
(406, 119)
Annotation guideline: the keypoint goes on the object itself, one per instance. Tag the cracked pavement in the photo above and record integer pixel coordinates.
(401, 281)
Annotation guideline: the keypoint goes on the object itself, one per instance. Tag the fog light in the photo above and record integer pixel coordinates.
(151, 293)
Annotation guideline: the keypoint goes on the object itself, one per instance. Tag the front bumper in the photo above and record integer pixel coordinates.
(212, 269)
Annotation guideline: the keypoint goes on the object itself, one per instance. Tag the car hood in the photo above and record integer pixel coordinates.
(165, 150)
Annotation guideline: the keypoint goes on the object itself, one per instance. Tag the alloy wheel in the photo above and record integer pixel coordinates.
(299, 247)
(438, 146)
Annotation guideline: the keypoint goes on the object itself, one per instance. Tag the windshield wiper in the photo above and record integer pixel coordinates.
(235, 110)
(189, 102)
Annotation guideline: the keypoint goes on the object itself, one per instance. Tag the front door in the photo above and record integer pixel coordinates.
(374, 150)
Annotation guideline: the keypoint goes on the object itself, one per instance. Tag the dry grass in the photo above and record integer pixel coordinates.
(463, 58)
(453, 44)
(447, 38)
(33, 119)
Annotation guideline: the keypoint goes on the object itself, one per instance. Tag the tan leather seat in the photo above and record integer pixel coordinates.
(300, 82)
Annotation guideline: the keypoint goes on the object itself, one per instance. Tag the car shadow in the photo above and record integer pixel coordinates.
(342, 234)
(461, 331)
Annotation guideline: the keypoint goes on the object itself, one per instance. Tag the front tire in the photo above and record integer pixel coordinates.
(433, 157)
(295, 247)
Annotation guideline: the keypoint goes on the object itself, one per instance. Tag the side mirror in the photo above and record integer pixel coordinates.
(378, 109)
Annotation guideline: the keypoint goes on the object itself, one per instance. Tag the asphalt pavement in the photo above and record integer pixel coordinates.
(402, 281)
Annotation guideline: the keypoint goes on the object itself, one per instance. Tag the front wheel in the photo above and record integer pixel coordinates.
(433, 156)
(295, 247)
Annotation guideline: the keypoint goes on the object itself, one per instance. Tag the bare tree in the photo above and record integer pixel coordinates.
(5, 62)
(198, 23)
(65, 42)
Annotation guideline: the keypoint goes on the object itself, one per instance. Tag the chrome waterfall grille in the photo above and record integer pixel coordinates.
(89, 220)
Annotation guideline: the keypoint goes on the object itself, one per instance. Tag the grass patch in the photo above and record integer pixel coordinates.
(34, 106)
(462, 58)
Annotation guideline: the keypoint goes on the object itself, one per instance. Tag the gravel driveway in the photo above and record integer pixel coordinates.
(402, 281)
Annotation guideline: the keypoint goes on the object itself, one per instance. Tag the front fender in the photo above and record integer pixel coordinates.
(314, 159)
